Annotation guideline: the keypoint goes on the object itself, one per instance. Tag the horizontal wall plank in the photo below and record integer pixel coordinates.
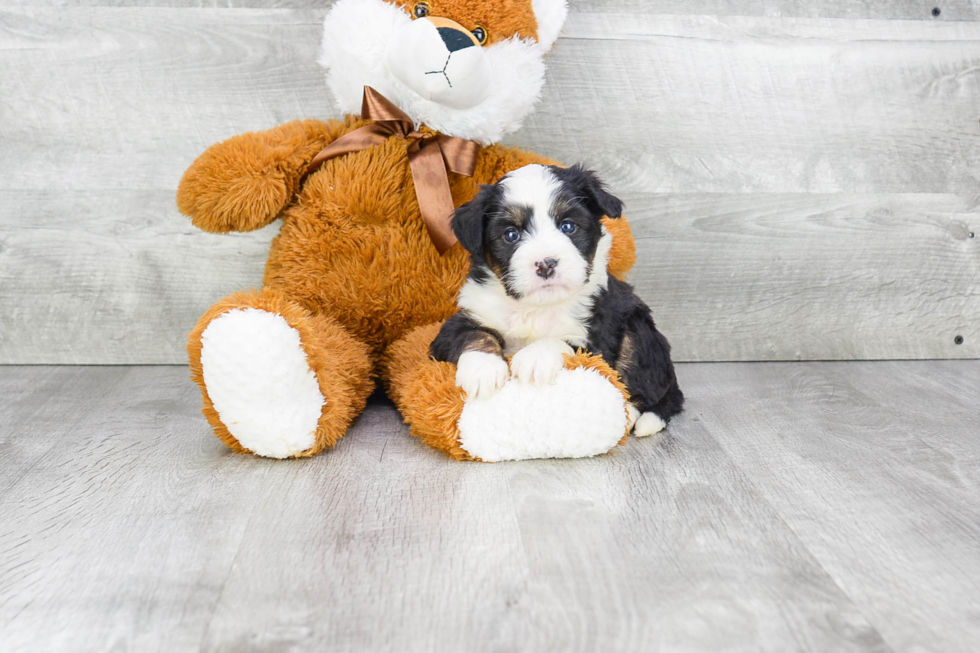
(891, 9)
(120, 277)
(784, 277)
(111, 276)
(801, 187)
(110, 98)
(693, 103)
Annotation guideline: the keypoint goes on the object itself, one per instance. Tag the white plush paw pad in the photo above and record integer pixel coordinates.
(648, 424)
(581, 414)
(259, 381)
(540, 362)
(480, 374)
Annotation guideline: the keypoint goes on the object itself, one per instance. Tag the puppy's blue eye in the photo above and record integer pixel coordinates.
(568, 227)
(512, 235)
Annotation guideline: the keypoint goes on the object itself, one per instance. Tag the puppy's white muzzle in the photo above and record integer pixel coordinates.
(441, 63)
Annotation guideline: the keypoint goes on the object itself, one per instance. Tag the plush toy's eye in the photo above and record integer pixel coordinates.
(568, 227)
(512, 235)
(480, 34)
(421, 9)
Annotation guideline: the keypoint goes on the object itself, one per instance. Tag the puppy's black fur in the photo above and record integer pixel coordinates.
(622, 331)
(620, 327)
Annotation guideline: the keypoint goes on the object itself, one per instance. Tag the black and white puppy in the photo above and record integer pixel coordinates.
(539, 286)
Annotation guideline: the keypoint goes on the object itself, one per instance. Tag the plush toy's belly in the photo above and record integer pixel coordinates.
(373, 267)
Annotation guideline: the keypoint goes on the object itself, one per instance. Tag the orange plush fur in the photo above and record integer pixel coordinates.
(353, 269)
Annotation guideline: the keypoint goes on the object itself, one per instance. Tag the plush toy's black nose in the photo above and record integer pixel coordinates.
(546, 268)
(454, 39)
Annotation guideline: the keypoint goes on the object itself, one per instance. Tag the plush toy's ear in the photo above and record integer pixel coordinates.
(592, 190)
(550, 16)
(469, 219)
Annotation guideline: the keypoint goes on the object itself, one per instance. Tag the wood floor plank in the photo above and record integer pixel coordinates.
(637, 551)
(40, 405)
(141, 532)
(875, 467)
(121, 536)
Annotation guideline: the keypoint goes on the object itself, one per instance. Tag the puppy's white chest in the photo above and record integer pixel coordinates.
(525, 325)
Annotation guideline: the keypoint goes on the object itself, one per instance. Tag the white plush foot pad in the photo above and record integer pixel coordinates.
(582, 414)
(260, 383)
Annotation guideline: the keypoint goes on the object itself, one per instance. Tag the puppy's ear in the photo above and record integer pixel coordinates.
(469, 219)
(592, 190)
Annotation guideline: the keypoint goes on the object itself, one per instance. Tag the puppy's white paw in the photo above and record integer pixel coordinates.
(540, 362)
(633, 414)
(648, 424)
(480, 374)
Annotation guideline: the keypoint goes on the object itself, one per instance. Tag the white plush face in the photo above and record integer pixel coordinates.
(454, 78)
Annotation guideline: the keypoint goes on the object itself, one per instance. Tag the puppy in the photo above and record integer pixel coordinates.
(539, 286)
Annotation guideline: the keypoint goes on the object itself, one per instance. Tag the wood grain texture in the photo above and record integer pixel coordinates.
(141, 532)
(810, 276)
(894, 9)
(875, 468)
(111, 276)
(733, 276)
(728, 136)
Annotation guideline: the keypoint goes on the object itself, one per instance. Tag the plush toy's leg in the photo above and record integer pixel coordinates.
(584, 413)
(276, 380)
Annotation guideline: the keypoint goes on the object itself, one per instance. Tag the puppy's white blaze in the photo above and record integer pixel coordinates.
(648, 424)
(521, 323)
(540, 362)
(480, 374)
(536, 186)
(532, 185)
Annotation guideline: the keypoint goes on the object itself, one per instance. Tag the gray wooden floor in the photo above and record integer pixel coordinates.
(816, 506)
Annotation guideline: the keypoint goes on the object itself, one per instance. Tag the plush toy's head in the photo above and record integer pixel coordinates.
(472, 69)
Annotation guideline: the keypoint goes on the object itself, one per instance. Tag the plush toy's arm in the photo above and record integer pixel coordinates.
(244, 183)
(496, 161)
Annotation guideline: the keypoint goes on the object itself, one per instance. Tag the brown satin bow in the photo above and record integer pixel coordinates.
(429, 156)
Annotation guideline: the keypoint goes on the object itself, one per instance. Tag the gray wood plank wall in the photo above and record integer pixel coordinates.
(802, 176)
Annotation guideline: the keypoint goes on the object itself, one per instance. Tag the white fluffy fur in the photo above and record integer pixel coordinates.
(581, 414)
(258, 379)
(418, 51)
(648, 424)
(535, 186)
(550, 15)
(356, 37)
(633, 414)
(480, 374)
(521, 323)
(540, 362)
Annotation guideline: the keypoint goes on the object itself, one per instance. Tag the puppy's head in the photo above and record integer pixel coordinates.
(538, 231)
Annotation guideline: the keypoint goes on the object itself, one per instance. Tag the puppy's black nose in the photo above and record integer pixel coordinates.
(454, 39)
(546, 268)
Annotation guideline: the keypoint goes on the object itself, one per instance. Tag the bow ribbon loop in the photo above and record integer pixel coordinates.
(430, 157)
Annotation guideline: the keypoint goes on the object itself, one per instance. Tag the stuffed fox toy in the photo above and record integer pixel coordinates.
(365, 269)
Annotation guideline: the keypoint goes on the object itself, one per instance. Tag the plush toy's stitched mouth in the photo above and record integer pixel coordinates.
(443, 71)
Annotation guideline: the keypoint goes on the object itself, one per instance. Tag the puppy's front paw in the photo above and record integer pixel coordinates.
(480, 374)
(540, 362)
(648, 424)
